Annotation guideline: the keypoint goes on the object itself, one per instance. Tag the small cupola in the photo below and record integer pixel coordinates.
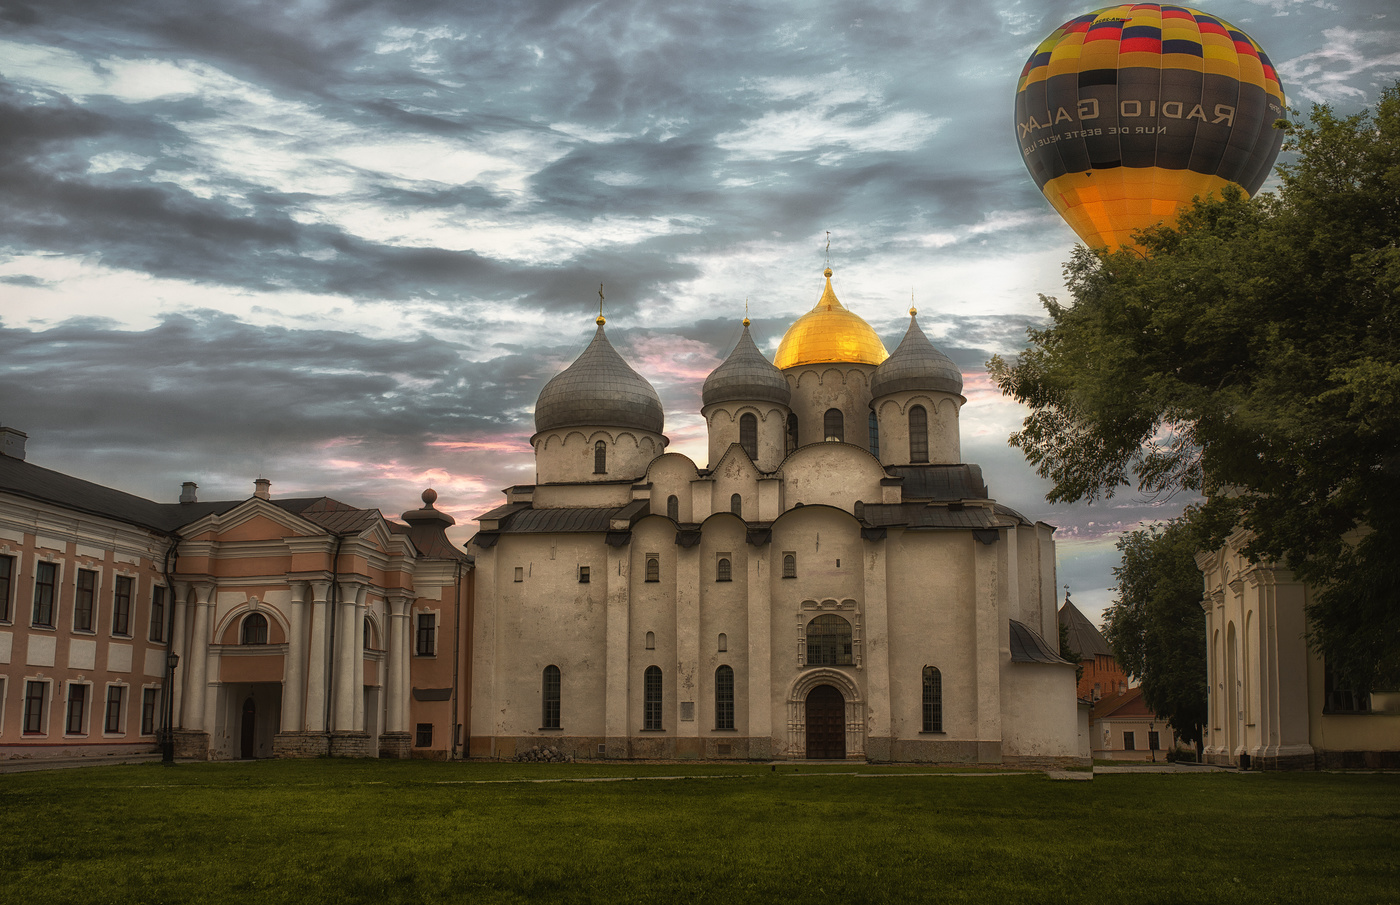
(916, 366)
(599, 389)
(746, 376)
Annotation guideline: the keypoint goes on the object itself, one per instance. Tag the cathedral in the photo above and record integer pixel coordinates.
(833, 583)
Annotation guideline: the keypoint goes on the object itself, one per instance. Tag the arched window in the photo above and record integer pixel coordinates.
(918, 434)
(369, 634)
(653, 567)
(829, 641)
(789, 565)
(651, 698)
(724, 698)
(600, 458)
(651, 640)
(748, 434)
(723, 642)
(725, 571)
(736, 505)
(254, 629)
(673, 508)
(833, 426)
(874, 424)
(933, 700)
(791, 434)
(549, 692)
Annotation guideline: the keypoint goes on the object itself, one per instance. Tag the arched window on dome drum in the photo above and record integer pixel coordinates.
(791, 434)
(651, 698)
(653, 568)
(833, 426)
(254, 629)
(789, 565)
(550, 693)
(724, 698)
(736, 505)
(673, 508)
(600, 458)
(748, 434)
(933, 700)
(918, 434)
(874, 424)
(829, 641)
(724, 571)
(369, 634)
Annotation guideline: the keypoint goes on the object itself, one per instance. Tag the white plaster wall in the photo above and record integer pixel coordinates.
(1040, 715)
(723, 608)
(816, 388)
(944, 445)
(567, 454)
(834, 474)
(672, 475)
(722, 423)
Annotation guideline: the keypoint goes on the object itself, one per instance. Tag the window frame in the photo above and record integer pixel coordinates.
(156, 632)
(653, 695)
(114, 714)
(1129, 741)
(425, 635)
(932, 699)
(918, 452)
(36, 692)
(873, 423)
(551, 697)
(123, 591)
(8, 570)
(150, 709)
(724, 697)
(600, 457)
(248, 629)
(832, 648)
(748, 434)
(736, 504)
(834, 426)
(673, 508)
(81, 716)
(792, 433)
(789, 564)
(85, 601)
(585, 575)
(724, 569)
(653, 567)
(49, 600)
(423, 735)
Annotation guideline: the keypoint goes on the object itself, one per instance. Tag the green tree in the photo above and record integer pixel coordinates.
(1156, 625)
(1251, 354)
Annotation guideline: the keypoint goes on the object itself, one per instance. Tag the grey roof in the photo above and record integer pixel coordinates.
(924, 515)
(599, 390)
(940, 482)
(746, 376)
(916, 365)
(1084, 639)
(1028, 647)
(559, 521)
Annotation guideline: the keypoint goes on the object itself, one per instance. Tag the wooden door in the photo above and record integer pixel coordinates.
(246, 748)
(826, 724)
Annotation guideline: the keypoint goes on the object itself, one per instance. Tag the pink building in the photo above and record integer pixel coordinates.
(291, 627)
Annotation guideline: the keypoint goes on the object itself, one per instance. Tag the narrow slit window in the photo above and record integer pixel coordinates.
(789, 565)
(736, 505)
(673, 508)
(748, 434)
(933, 700)
(874, 424)
(791, 433)
(600, 458)
(651, 704)
(918, 434)
(83, 601)
(551, 695)
(724, 571)
(724, 698)
(833, 426)
(653, 567)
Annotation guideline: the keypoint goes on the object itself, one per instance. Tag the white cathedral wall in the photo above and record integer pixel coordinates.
(567, 454)
(816, 388)
(836, 474)
(1040, 717)
(892, 410)
(722, 424)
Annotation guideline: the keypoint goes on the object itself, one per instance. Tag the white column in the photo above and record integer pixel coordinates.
(316, 659)
(198, 672)
(876, 644)
(394, 672)
(689, 682)
(179, 599)
(759, 680)
(615, 708)
(294, 672)
(344, 677)
(357, 691)
(991, 626)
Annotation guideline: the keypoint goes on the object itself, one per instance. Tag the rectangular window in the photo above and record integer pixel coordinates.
(427, 635)
(83, 600)
(116, 697)
(1128, 743)
(150, 699)
(45, 577)
(34, 694)
(789, 565)
(158, 613)
(519, 573)
(583, 574)
(77, 707)
(724, 698)
(423, 738)
(7, 575)
(121, 606)
(653, 567)
(1154, 742)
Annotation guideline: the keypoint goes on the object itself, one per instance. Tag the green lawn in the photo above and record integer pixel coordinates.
(383, 832)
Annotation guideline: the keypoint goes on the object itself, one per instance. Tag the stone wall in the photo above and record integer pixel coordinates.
(300, 744)
(352, 744)
(191, 743)
(395, 745)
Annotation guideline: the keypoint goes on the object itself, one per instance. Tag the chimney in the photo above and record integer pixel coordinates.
(12, 442)
(187, 494)
(262, 489)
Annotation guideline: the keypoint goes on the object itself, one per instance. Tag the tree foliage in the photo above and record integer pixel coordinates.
(1251, 354)
(1156, 625)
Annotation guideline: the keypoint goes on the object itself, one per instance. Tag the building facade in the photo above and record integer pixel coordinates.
(289, 627)
(834, 583)
(1272, 703)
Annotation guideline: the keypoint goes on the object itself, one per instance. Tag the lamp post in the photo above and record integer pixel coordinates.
(167, 743)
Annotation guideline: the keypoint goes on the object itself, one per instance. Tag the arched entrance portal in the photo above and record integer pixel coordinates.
(250, 712)
(826, 724)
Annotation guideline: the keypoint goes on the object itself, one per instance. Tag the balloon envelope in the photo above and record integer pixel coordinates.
(1127, 113)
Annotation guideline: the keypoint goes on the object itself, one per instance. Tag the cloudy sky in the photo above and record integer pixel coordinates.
(343, 244)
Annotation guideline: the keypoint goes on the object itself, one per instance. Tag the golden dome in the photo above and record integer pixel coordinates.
(829, 333)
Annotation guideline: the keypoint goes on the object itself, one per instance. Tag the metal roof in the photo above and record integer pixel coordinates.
(916, 365)
(746, 376)
(599, 390)
(940, 482)
(925, 515)
(1084, 639)
(1028, 647)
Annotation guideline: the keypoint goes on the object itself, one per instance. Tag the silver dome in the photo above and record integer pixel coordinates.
(746, 376)
(599, 390)
(916, 365)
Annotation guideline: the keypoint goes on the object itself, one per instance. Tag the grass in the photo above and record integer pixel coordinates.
(348, 831)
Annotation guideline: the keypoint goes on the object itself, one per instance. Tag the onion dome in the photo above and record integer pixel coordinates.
(599, 390)
(916, 365)
(746, 376)
(829, 333)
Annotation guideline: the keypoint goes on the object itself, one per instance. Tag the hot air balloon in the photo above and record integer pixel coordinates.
(1127, 113)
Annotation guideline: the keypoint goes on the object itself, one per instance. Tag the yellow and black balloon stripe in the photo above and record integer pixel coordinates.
(1127, 113)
